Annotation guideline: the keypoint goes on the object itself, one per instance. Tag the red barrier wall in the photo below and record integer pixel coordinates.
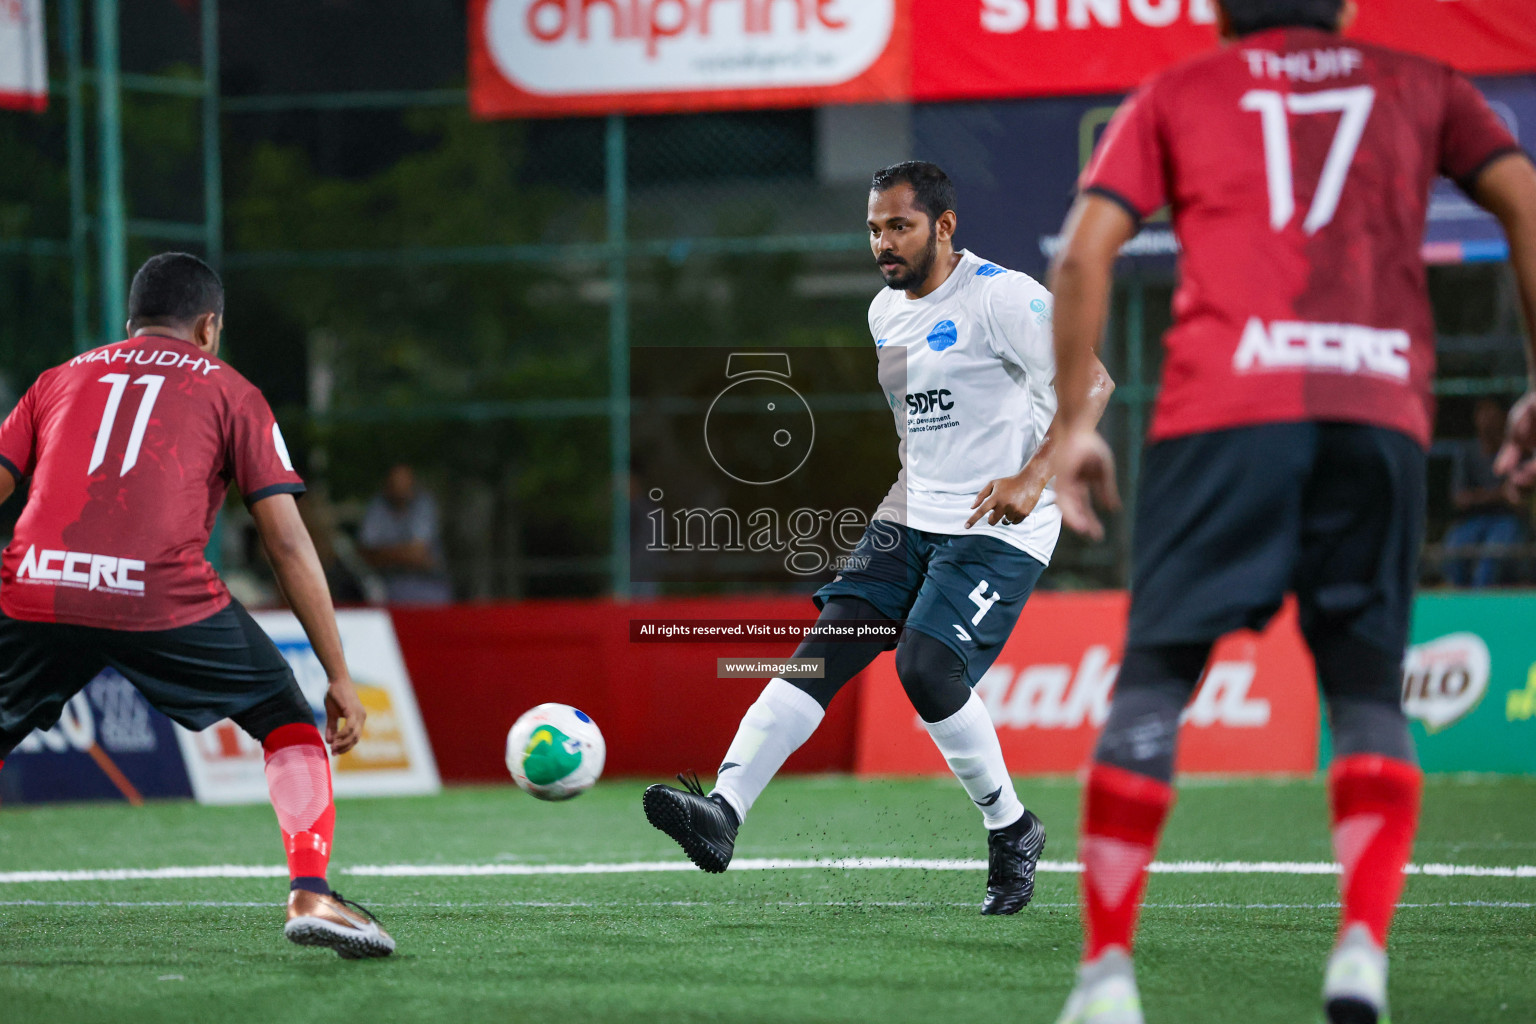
(475, 668)
(1048, 693)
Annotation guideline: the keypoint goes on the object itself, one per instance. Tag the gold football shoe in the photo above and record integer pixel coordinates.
(340, 924)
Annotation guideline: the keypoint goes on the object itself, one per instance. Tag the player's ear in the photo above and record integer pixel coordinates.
(206, 332)
(945, 225)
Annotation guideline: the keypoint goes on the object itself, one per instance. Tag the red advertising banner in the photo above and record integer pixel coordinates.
(1021, 48)
(531, 58)
(1049, 690)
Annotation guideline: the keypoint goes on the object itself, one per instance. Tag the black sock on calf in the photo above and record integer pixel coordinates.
(310, 884)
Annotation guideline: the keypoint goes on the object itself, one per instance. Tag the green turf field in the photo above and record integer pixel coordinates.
(808, 944)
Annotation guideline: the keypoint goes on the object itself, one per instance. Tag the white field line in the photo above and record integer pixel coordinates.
(1183, 867)
(855, 904)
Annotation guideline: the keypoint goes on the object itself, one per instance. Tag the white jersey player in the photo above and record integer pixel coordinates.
(968, 372)
(953, 551)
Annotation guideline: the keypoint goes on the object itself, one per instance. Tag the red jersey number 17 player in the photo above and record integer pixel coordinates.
(130, 450)
(1287, 447)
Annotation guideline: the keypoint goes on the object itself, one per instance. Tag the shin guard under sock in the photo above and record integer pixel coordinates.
(299, 780)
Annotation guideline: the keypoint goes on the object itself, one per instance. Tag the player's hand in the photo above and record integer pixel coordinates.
(344, 716)
(1516, 461)
(1085, 473)
(1009, 499)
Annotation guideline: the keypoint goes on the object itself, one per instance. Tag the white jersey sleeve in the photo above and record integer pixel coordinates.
(1019, 308)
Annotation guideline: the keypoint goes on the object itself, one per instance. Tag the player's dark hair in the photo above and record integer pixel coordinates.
(1256, 15)
(174, 288)
(932, 191)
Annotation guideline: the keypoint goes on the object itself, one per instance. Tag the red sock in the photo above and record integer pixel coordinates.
(1375, 803)
(1123, 815)
(299, 779)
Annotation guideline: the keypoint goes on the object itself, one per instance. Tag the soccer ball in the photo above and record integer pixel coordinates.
(555, 752)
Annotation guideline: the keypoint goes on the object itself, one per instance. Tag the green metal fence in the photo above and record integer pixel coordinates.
(619, 251)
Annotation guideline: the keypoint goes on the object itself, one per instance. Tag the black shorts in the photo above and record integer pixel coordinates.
(1228, 521)
(964, 590)
(195, 674)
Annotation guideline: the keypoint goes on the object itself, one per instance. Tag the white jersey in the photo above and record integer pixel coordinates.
(968, 371)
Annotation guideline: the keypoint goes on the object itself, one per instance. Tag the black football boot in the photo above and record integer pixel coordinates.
(1011, 856)
(704, 826)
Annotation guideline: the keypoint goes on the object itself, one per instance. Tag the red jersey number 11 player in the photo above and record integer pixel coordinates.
(1286, 452)
(130, 449)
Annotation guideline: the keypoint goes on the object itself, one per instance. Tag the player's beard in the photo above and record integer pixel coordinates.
(903, 276)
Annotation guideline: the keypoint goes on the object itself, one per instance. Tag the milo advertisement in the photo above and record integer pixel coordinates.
(1469, 682)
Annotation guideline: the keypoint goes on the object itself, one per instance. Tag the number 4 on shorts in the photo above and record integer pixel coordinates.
(982, 602)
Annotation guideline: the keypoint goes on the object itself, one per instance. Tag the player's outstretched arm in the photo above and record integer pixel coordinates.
(303, 582)
(1012, 498)
(7, 485)
(1082, 275)
(1507, 189)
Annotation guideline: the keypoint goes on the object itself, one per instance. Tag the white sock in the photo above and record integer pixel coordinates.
(968, 741)
(778, 722)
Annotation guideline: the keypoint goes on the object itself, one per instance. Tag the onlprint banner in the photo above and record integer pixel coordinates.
(565, 57)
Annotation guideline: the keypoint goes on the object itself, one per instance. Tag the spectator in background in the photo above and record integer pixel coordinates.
(400, 538)
(1488, 509)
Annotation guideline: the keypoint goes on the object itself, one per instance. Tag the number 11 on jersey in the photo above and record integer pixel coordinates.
(152, 383)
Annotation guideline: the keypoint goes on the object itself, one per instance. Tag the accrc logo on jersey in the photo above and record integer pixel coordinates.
(81, 570)
(1343, 348)
(1443, 680)
(1057, 697)
(565, 47)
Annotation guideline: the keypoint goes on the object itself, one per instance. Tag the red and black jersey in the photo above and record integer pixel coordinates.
(131, 449)
(1298, 166)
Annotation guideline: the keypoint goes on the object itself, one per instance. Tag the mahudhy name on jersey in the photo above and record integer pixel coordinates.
(147, 357)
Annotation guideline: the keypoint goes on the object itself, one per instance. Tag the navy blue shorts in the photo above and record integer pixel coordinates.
(966, 591)
(196, 674)
(1229, 521)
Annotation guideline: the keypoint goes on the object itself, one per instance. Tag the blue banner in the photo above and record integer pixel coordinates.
(108, 745)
